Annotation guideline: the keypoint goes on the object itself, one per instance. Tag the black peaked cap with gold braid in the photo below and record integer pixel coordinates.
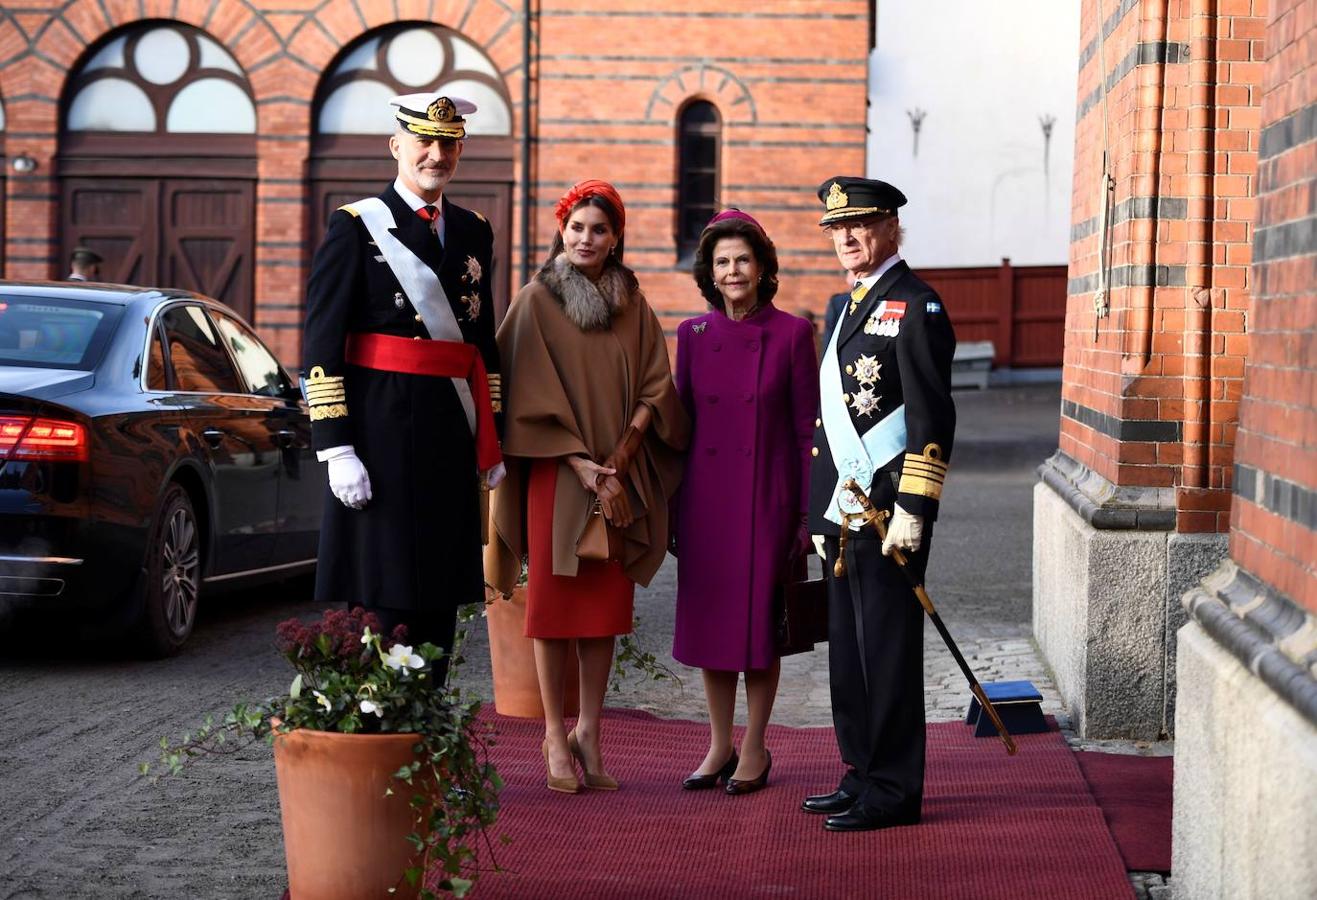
(847, 197)
(432, 114)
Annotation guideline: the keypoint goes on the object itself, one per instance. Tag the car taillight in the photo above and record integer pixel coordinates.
(22, 437)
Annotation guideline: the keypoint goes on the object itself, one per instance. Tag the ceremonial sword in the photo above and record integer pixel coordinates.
(868, 515)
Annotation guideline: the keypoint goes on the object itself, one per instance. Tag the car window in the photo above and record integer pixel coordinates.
(155, 365)
(54, 333)
(257, 366)
(198, 359)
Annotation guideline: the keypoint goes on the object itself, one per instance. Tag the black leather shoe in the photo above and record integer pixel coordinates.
(735, 788)
(705, 782)
(830, 804)
(857, 818)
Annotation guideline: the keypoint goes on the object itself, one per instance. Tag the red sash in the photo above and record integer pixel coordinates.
(443, 359)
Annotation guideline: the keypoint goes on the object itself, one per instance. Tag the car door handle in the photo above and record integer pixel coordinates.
(214, 437)
(285, 437)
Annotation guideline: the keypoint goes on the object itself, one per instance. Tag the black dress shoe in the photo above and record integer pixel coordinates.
(830, 804)
(735, 788)
(858, 818)
(705, 782)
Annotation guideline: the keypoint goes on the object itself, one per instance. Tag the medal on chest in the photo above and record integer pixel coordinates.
(886, 320)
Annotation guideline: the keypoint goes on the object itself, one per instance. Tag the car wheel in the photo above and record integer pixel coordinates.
(173, 575)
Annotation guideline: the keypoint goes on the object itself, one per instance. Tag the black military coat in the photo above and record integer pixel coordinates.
(416, 544)
(889, 356)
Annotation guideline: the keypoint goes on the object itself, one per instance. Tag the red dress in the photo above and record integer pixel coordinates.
(596, 602)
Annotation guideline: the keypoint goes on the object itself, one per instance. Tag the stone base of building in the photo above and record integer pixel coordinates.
(1245, 782)
(1107, 582)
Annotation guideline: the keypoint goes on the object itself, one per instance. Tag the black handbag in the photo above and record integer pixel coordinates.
(800, 609)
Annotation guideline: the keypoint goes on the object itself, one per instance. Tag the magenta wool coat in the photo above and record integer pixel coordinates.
(752, 389)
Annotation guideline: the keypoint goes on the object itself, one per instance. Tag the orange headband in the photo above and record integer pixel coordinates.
(591, 187)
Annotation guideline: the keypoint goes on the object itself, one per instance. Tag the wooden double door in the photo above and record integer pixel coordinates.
(195, 234)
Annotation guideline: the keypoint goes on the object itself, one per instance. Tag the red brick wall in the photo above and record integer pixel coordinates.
(1151, 390)
(788, 77)
(1274, 517)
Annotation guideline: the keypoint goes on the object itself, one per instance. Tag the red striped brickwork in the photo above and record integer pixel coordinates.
(1274, 517)
(1152, 388)
(609, 77)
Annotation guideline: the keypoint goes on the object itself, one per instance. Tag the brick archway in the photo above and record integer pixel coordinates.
(719, 86)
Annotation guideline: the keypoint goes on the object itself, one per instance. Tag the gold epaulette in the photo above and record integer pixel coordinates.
(325, 395)
(923, 474)
(496, 392)
(480, 217)
(350, 210)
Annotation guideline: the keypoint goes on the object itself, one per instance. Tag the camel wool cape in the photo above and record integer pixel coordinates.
(569, 391)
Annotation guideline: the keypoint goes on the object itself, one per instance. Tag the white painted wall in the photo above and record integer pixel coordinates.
(984, 71)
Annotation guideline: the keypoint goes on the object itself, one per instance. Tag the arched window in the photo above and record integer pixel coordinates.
(699, 148)
(166, 78)
(407, 59)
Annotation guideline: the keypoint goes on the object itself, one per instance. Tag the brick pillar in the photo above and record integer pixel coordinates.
(1133, 508)
(1246, 723)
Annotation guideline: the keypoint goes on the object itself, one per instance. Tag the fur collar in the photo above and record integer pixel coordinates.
(590, 305)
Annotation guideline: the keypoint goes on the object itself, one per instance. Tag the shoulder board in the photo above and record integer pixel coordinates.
(480, 217)
(350, 210)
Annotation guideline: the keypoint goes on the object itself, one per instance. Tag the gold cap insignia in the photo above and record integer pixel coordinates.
(441, 110)
(837, 198)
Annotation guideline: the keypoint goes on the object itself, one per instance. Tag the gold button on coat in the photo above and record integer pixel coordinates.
(813, 451)
(850, 370)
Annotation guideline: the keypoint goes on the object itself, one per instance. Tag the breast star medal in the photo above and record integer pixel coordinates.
(473, 270)
(864, 401)
(472, 303)
(866, 370)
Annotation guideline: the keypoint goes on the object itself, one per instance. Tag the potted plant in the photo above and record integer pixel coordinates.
(512, 658)
(383, 775)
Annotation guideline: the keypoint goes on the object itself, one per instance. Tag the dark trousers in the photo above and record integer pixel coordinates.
(436, 627)
(878, 699)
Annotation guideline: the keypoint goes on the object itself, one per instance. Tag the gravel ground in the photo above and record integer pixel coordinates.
(76, 820)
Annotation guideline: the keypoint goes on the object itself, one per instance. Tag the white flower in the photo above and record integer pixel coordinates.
(369, 706)
(401, 657)
(366, 635)
(323, 700)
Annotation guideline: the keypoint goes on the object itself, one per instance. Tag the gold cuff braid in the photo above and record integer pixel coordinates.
(325, 395)
(923, 473)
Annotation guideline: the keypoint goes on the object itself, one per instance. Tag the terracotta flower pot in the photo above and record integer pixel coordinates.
(344, 839)
(512, 659)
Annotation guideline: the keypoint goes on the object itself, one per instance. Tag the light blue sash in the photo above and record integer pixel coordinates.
(854, 457)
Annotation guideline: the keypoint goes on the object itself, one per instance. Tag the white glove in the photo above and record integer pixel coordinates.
(906, 531)
(348, 479)
(818, 545)
(495, 475)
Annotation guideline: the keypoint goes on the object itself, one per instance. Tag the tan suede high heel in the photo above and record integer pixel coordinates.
(562, 784)
(599, 781)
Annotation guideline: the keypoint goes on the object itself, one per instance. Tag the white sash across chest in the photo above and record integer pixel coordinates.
(854, 456)
(421, 285)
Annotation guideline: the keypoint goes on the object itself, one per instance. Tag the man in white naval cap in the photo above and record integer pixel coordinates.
(402, 380)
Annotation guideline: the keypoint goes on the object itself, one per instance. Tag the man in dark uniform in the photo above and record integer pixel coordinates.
(84, 265)
(403, 385)
(886, 419)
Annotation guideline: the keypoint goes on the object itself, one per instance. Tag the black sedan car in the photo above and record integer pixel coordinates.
(150, 447)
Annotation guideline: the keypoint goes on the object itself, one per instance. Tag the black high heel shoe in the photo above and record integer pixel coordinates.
(736, 787)
(705, 782)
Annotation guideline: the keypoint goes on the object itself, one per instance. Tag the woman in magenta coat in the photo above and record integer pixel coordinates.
(748, 376)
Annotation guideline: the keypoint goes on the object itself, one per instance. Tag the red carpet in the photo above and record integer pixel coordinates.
(994, 826)
(1135, 795)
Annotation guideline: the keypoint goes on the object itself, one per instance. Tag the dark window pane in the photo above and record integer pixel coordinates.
(155, 366)
(258, 368)
(700, 187)
(199, 361)
(700, 113)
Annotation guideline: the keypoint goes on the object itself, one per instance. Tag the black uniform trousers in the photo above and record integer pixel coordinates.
(878, 704)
